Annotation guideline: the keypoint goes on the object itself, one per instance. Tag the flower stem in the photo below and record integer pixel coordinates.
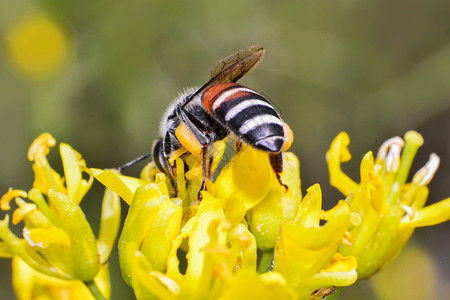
(266, 261)
(93, 288)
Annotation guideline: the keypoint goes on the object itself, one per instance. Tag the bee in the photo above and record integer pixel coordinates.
(199, 117)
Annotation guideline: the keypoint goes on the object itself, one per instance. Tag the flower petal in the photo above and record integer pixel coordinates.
(43, 237)
(141, 214)
(125, 186)
(21, 212)
(304, 247)
(163, 230)
(430, 215)
(210, 233)
(338, 153)
(149, 284)
(341, 271)
(84, 250)
(11, 194)
(27, 253)
(248, 285)
(41, 146)
(242, 247)
(109, 224)
(74, 165)
(278, 206)
(247, 175)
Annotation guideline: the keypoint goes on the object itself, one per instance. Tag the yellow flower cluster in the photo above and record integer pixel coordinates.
(389, 207)
(245, 208)
(248, 238)
(58, 251)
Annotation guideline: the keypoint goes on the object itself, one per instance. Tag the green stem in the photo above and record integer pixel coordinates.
(266, 260)
(93, 288)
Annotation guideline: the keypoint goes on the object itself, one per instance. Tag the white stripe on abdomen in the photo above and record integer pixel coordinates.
(257, 121)
(229, 93)
(244, 105)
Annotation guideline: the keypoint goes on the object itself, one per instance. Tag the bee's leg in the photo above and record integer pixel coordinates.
(161, 158)
(173, 178)
(205, 172)
(200, 133)
(198, 129)
(276, 161)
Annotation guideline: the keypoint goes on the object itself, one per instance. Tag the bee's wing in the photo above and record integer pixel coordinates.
(233, 67)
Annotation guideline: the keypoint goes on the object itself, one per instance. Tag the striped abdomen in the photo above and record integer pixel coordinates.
(247, 114)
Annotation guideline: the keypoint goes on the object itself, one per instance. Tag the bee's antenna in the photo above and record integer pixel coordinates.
(133, 162)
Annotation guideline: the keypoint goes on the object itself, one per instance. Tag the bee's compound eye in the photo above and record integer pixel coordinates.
(158, 156)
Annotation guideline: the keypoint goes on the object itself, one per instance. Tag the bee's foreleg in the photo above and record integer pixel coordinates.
(196, 140)
(205, 172)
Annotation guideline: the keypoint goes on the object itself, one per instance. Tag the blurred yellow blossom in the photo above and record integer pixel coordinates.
(38, 46)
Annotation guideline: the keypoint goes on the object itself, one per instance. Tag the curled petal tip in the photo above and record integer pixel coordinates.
(41, 145)
(383, 151)
(424, 175)
(11, 194)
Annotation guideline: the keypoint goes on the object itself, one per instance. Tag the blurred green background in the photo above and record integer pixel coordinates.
(101, 73)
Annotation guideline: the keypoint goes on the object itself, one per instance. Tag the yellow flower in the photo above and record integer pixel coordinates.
(220, 246)
(306, 251)
(57, 239)
(157, 226)
(389, 207)
(278, 205)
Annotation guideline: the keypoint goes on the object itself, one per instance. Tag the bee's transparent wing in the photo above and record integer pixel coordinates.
(233, 67)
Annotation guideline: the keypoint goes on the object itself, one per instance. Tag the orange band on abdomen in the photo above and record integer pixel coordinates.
(211, 94)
